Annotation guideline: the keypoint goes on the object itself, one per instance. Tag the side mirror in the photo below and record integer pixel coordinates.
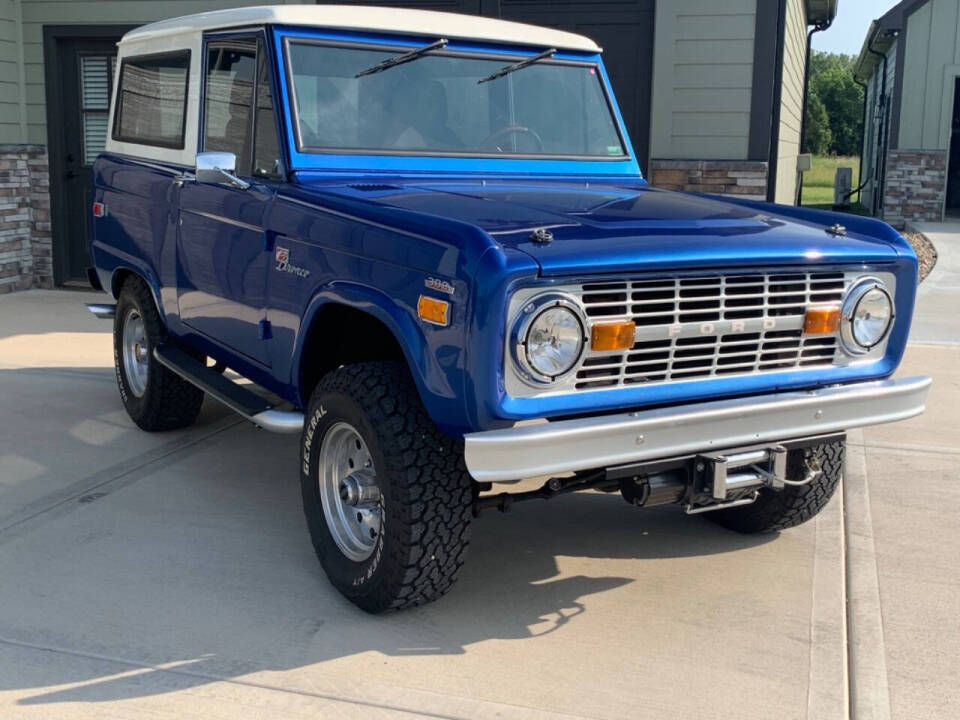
(218, 168)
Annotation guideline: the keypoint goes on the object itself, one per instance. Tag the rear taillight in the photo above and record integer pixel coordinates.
(99, 209)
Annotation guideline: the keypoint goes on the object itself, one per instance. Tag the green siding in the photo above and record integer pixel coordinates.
(37, 13)
(791, 101)
(11, 81)
(931, 62)
(702, 80)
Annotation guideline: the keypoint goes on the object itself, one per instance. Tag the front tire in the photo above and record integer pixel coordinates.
(387, 496)
(793, 505)
(154, 397)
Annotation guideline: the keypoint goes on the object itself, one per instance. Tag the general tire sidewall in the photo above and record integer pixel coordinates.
(135, 405)
(352, 578)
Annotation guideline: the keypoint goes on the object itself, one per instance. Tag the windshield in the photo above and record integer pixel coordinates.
(436, 104)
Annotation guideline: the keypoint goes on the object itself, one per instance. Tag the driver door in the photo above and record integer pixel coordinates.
(222, 257)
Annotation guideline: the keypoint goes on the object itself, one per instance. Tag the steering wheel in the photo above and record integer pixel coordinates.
(494, 138)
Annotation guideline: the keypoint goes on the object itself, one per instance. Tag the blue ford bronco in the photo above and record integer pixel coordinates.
(425, 241)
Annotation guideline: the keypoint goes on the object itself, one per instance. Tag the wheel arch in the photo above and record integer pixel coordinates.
(364, 325)
(121, 273)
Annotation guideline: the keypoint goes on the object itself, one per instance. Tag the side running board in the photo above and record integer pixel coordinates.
(256, 409)
(104, 311)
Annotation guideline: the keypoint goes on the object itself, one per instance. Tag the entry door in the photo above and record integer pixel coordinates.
(86, 68)
(953, 169)
(222, 255)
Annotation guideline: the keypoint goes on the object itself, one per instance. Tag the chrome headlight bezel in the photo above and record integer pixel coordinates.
(522, 324)
(851, 301)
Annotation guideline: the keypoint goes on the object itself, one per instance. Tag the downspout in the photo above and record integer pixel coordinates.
(863, 125)
(880, 171)
(819, 27)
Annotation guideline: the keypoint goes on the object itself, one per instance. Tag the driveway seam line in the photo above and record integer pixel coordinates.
(828, 693)
(867, 669)
(922, 449)
(116, 472)
(273, 688)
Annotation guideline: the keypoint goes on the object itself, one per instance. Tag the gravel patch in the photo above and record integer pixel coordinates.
(926, 252)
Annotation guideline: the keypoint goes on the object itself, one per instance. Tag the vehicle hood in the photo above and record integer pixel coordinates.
(600, 228)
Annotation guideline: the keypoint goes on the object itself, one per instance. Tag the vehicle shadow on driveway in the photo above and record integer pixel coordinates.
(201, 570)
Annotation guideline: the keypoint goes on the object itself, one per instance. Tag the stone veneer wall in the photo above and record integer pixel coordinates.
(916, 186)
(742, 178)
(25, 243)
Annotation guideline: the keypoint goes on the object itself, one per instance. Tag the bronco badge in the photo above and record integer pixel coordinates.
(282, 256)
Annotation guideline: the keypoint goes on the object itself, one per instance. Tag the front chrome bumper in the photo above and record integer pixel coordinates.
(608, 440)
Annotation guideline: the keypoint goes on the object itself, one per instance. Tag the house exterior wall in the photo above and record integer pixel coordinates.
(11, 91)
(705, 65)
(37, 13)
(25, 228)
(744, 179)
(791, 101)
(931, 62)
(25, 244)
(702, 80)
(873, 126)
(915, 185)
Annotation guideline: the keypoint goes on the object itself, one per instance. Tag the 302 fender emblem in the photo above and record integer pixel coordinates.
(439, 285)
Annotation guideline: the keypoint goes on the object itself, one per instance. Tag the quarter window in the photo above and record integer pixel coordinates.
(152, 99)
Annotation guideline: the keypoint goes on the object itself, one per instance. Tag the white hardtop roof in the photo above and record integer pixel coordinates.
(371, 19)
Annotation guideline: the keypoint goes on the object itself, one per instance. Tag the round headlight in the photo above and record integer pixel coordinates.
(867, 316)
(549, 338)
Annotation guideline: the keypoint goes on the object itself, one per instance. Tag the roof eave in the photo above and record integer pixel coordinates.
(880, 38)
(821, 12)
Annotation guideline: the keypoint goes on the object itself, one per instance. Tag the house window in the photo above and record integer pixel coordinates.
(152, 99)
(96, 84)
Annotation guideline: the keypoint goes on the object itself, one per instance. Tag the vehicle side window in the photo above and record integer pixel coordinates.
(228, 102)
(152, 99)
(266, 153)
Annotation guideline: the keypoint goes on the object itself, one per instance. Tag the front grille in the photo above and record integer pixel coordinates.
(697, 327)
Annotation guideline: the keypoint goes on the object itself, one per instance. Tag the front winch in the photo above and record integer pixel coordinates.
(700, 483)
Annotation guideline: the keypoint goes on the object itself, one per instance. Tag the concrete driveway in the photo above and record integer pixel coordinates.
(171, 575)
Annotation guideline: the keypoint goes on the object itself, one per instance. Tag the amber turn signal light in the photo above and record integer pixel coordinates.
(821, 321)
(613, 336)
(433, 311)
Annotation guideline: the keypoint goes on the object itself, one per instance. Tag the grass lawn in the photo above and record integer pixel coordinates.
(818, 182)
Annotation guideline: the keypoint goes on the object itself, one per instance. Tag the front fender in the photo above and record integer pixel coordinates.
(437, 372)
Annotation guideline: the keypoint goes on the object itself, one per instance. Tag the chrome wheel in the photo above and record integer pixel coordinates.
(349, 493)
(135, 352)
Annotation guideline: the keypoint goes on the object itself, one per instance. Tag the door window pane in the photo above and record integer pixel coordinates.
(152, 99)
(231, 68)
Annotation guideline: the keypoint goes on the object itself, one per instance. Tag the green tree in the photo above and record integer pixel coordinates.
(817, 138)
(821, 61)
(840, 99)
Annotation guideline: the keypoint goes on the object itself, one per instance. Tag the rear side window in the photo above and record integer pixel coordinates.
(152, 99)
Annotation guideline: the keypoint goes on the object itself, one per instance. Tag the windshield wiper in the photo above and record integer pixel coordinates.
(405, 58)
(519, 66)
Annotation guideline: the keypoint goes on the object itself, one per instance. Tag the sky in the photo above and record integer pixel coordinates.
(850, 28)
